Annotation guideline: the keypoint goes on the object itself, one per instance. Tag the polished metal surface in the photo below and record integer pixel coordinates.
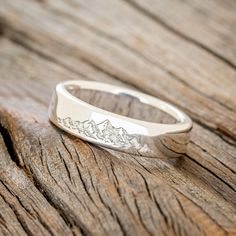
(118, 132)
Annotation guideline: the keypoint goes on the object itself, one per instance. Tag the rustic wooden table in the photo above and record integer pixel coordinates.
(180, 51)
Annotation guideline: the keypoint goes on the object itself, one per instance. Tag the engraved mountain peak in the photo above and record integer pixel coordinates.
(106, 124)
(90, 128)
(103, 131)
(121, 131)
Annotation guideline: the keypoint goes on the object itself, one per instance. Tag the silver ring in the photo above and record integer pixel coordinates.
(118, 132)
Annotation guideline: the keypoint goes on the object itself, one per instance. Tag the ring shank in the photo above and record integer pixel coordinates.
(115, 131)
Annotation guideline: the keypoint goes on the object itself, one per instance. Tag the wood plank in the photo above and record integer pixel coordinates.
(208, 24)
(99, 191)
(23, 209)
(105, 192)
(165, 65)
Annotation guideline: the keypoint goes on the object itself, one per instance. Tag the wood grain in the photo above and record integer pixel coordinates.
(24, 210)
(208, 24)
(73, 187)
(162, 62)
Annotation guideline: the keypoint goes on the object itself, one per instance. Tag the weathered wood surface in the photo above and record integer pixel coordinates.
(54, 184)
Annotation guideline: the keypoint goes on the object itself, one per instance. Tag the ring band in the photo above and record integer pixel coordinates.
(118, 132)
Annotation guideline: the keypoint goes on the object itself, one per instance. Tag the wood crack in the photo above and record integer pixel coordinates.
(66, 168)
(204, 150)
(162, 214)
(183, 194)
(85, 187)
(211, 172)
(203, 210)
(190, 218)
(140, 216)
(19, 218)
(146, 184)
(9, 145)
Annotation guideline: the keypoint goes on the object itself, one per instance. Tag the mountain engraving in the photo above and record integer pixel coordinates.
(104, 132)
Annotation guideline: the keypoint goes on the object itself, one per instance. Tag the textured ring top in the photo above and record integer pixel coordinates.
(115, 131)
